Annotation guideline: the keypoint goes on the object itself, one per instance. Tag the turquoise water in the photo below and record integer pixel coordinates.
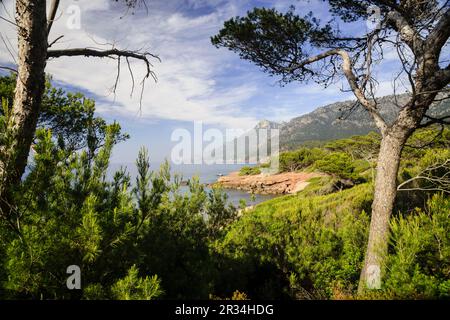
(207, 174)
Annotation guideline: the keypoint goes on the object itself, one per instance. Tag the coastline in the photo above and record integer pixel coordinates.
(275, 184)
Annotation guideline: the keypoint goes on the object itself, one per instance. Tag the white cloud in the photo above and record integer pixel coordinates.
(196, 82)
(187, 88)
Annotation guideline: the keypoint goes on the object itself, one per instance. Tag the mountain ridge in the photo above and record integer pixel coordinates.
(340, 120)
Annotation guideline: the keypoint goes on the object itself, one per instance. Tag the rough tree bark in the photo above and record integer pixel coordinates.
(32, 50)
(384, 198)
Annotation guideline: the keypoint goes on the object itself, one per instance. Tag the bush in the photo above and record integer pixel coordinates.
(419, 260)
(134, 288)
(249, 171)
(337, 164)
(299, 159)
(155, 241)
(76, 216)
(308, 246)
(358, 147)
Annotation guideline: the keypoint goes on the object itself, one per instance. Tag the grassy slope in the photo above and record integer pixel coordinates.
(312, 244)
(311, 241)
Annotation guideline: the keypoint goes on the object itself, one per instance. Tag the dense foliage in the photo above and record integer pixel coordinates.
(273, 40)
(299, 159)
(131, 240)
(120, 236)
(70, 116)
(249, 171)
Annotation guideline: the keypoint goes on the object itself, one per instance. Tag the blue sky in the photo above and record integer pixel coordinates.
(196, 81)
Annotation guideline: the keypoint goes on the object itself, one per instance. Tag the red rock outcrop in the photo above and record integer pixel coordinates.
(282, 183)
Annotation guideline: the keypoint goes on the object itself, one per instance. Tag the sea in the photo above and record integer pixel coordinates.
(206, 174)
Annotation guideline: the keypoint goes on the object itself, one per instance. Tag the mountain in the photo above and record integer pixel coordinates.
(267, 124)
(335, 121)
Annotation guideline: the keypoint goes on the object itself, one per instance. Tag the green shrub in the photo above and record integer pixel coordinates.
(337, 164)
(249, 171)
(265, 165)
(155, 241)
(357, 147)
(299, 159)
(419, 259)
(132, 287)
(75, 215)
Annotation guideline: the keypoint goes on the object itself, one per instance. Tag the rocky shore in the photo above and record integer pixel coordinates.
(282, 183)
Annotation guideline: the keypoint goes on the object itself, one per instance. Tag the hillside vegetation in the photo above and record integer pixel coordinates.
(312, 245)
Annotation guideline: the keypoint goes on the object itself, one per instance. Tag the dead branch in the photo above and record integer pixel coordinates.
(87, 52)
(437, 182)
(352, 80)
(56, 40)
(115, 54)
(52, 13)
(8, 68)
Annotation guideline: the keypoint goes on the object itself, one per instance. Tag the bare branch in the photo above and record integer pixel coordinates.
(111, 53)
(368, 105)
(52, 14)
(144, 56)
(56, 40)
(117, 78)
(431, 120)
(443, 75)
(439, 36)
(8, 48)
(132, 76)
(9, 21)
(432, 140)
(436, 182)
(8, 68)
(352, 80)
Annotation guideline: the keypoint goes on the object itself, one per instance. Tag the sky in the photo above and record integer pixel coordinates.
(196, 81)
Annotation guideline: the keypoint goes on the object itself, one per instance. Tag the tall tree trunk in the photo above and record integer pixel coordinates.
(384, 198)
(426, 87)
(32, 53)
